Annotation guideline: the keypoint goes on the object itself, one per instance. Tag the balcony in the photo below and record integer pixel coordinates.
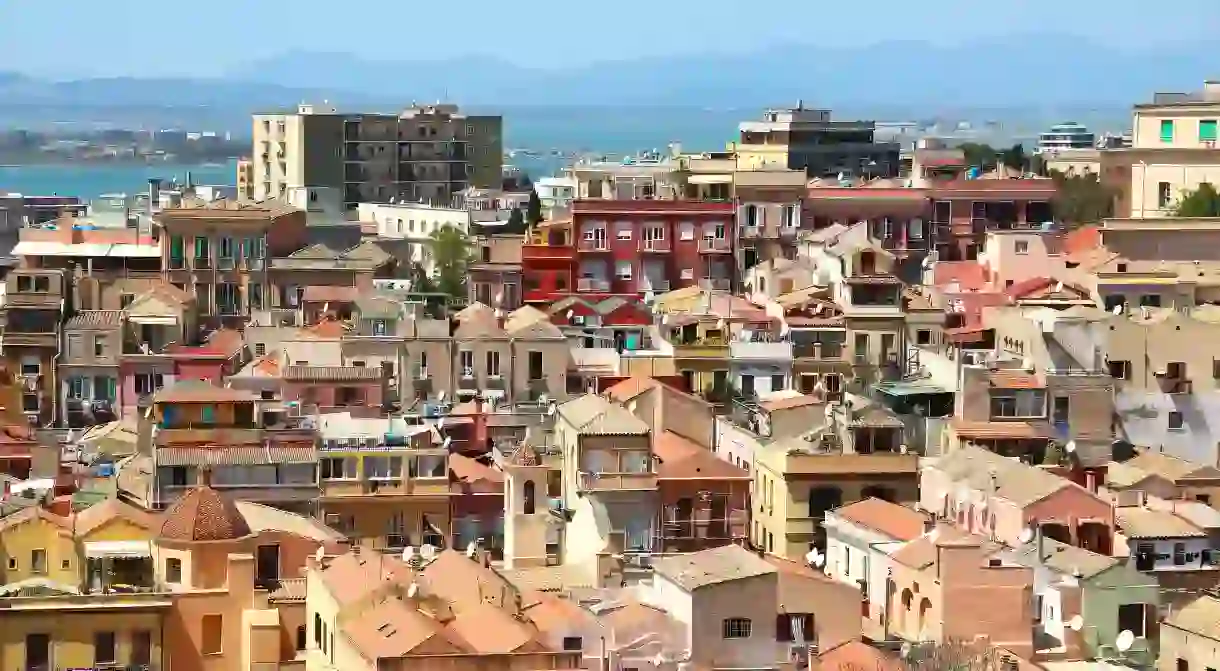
(655, 246)
(208, 434)
(33, 299)
(595, 245)
(758, 350)
(416, 486)
(702, 348)
(657, 286)
(851, 464)
(715, 283)
(610, 482)
(818, 351)
(751, 232)
(12, 339)
(202, 263)
(592, 284)
(714, 245)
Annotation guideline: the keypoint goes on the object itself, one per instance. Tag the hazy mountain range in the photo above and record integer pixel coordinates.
(1043, 73)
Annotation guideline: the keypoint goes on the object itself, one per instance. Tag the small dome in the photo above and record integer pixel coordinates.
(202, 514)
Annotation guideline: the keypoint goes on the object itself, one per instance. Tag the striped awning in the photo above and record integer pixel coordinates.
(242, 455)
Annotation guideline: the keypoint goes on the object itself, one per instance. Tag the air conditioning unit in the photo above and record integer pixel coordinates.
(578, 320)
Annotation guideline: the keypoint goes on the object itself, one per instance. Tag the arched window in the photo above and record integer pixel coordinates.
(528, 495)
(924, 606)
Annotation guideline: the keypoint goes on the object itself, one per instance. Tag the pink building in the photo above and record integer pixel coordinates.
(330, 387)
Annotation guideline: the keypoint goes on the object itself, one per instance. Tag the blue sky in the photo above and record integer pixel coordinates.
(74, 38)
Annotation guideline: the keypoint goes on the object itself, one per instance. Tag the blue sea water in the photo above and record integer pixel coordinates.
(92, 180)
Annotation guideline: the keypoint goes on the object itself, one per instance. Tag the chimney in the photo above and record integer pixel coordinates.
(1039, 540)
(1090, 481)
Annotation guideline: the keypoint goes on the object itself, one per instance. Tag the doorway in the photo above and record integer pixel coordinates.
(267, 564)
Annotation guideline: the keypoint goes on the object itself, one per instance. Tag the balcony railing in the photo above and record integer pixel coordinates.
(654, 285)
(760, 351)
(715, 283)
(821, 351)
(655, 246)
(715, 245)
(595, 245)
(591, 284)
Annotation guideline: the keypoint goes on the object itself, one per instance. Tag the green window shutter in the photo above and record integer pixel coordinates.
(1207, 130)
(175, 247)
(1167, 130)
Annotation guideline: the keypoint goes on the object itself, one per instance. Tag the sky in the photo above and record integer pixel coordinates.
(87, 38)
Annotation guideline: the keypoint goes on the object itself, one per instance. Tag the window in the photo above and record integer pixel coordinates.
(1131, 617)
(535, 365)
(173, 569)
(747, 385)
(1175, 421)
(212, 636)
(527, 496)
(686, 231)
(466, 361)
(382, 468)
(301, 639)
(751, 218)
(260, 349)
(736, 627)
(207, 414)
(38, 561)
(1014, 403)
(379, 327)
(790, 216)
(1150, 301)
(337, 468)
(1207, 130)
(125, 300)
(177, 249)
(1022, 247)
(42, 284)
(103, 647)
(1166, 130)
(226, 248)
(12, 563)
(493, 364)
(1119, 370)
(777, 382)
(622, 230)
(1216, 369)
(1162, 194)
(622, 270)
(923, 337)
(141, 647)
(99, 345)
(317, 630)
(573, 643)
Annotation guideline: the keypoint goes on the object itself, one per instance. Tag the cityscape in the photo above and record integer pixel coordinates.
(372, 391)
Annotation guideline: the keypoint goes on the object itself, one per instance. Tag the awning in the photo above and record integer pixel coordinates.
(710, 179)
(118, 549)
(135, 251)
(909, 388)
(155, 320)
(40, 248)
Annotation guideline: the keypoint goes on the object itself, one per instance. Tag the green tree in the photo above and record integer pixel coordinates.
(979, 155)
(533, 211)
(1081, 199)
(451, 252)
(516, 222)
(1202, 202)
(1014, 157)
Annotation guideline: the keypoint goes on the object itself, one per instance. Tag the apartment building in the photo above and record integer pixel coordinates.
(964, 210)
(899, 216)
(496, 272)
(1173, 149)
(220, 253)
(424, 154)
(807, 139)
(411, 226)
(34, 304)
(245, 179)
(648, 176)
(1161, 262)
(769, 207)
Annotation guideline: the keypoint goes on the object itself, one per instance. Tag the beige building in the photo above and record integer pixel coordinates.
(1173, 149)
(426, 153)
(1190, 637)
(516, 357)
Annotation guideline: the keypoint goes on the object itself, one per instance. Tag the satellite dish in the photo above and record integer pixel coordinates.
(1027, 535)
(440, 395)
(905, 651)
(408, 552)
(550, 409)
(427, 551)
(440, 423)
(927, 262)
(815, 558)
(1070, 447)
(1076, 623)
(499, 298)
(446, 443)
(412, 591)
(499, 313)
(471, 547)
(1125, 640)
(1118, 309)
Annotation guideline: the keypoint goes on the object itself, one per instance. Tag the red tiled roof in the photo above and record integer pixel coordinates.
(897, 522)
(1083, 239)
(327, 328)
(202, 514)
(970, 275)
(1015, 379)
(682, 459)
(858, 655)
(999, 430)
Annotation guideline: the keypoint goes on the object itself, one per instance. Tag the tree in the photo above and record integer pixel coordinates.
(979, 155)
(1081, 199)
(1202, 202)
(533, 211)
(1014, 157)
(516, 222)
(450, 250)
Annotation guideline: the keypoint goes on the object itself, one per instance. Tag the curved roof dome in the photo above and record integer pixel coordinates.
(202, 514)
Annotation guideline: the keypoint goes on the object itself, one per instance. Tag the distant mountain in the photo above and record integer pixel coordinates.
(1030, 70)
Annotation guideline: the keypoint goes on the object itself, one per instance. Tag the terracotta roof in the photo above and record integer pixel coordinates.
(34, 512)
(682, 459)
(227, 341)
(712, 567)
(248, 455)
(1000, 430)
(858, 655)
(921, 552)
(592, 415)
(1170, 467)
(1139, 522)
(330, 294)
(327, 328)
(201, 391)
(99, 514)
(95, 320)
(895, 521)
(1083, 239)
(473, 476)
(792, 401)
(331, 374)
(1014, 379)
(969, 275)
(288, 589)
(632, 387)
(201, 515)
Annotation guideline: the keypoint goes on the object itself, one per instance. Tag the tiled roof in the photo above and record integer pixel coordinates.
(330, 294)
(1014, 379)
(921, 552)
(95, 319)
(1170, 467)
(969, 275)
(378, 307)
(1138, 522)
(473, 476)
(897, 522)
(632, 387)
(682, 459)
(712, 567)
(593, 415)
(979, 430)
(1064, 559)
(203, 515)
(331, 374)
(859, 655)
(248, 455)
(267, 518)
(1201, 616)
(227, 340)
(326, 328)
(99, 514)
(982, 470)
(201, 391)
(288, 589)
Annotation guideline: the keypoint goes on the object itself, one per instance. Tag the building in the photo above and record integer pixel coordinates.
(373, 612)
(1155, 474)
(519, 357)
(770, 203)
(704, 500)
(807, 139)
(34, 304)
(1189, 637)
(220, 253)
(647, 176)
(556, 194)
(414, 224)
(1173, 149)
(245, 179)
(964, 210)
(496, 272)
(19, 211)
(433, 152)
(1066, 135)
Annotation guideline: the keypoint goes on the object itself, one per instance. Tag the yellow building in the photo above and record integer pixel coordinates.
(1173, 149)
